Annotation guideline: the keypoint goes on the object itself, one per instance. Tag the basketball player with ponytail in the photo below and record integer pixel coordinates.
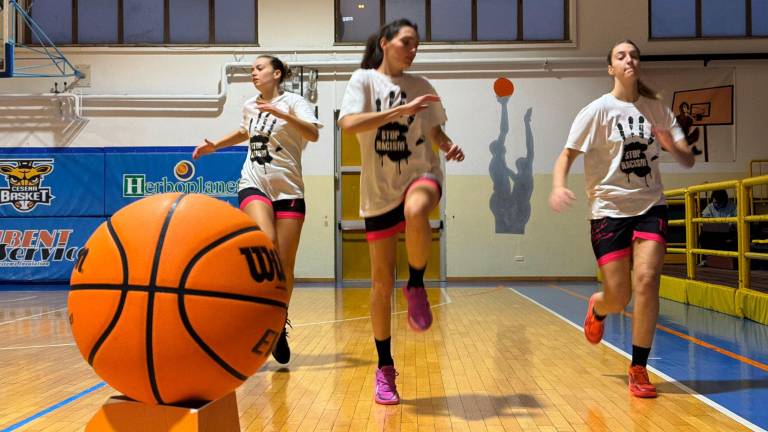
(621, 135)
(278, 126)
(396, 117)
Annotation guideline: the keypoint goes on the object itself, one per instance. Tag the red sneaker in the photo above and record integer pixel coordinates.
(593, 329)
(639, 384)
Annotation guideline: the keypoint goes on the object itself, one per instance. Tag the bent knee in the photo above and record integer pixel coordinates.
(646, 280)
(417, 210)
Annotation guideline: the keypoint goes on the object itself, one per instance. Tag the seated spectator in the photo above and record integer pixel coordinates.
(720, 205)
(719, 236)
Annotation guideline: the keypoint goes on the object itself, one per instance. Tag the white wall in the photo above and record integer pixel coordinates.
(301, 32)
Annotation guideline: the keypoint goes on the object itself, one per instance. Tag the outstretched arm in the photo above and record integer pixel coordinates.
(561, 197)
(209, 146)
(528, 134)
(309, 131)
(362, 122)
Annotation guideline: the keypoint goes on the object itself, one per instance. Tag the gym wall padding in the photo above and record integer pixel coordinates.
(131, 174)
(753, 305)
(673, 289)
(52, 199)
(41, 249)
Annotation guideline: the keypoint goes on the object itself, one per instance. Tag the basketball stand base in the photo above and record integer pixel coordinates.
(121, 414)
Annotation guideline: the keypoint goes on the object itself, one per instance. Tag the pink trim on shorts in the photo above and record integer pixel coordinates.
(613, 256)
(289, 215)
(649, 236)
(254, 198)
(385, 233)
(424, 180)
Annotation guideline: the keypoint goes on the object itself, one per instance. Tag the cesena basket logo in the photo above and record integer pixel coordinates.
(24, 178)
(183, 180)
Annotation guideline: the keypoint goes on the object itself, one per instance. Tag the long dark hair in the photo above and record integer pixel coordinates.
(278, 64)
(373, 53)
(642, 89)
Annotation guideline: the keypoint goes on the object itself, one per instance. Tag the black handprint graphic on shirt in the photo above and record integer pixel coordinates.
(259, 142)
(634, 159)
(391, 138)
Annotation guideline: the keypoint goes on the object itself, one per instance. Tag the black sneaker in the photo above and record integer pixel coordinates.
(282, 353)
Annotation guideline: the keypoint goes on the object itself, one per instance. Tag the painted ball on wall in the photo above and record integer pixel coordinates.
(503, 87)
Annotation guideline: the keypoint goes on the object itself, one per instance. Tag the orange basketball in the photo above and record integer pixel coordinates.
(177, 298)
(503, 87)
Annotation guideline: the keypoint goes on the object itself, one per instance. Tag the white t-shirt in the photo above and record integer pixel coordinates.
(621, 155)
(273, 164)
(399, 152)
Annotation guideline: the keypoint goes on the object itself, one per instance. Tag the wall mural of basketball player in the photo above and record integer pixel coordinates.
(259, 142)
(391, 137)
(510, 201)
(705, 115)
(637, 149)
(685, 120)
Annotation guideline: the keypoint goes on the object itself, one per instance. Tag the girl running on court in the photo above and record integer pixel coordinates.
(621, 135)
(396, 117)
(278, 126)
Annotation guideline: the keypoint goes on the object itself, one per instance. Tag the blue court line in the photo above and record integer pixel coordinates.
(52, 408)
(734, 386)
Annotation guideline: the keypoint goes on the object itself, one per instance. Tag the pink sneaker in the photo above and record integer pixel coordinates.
(419, 313)
(385, 392)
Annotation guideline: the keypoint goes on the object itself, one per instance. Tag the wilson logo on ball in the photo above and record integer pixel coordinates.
(263, 264)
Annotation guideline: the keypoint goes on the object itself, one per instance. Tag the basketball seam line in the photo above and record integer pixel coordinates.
(183, 310)
(151, 300)
(208, 248)
(119, 311)
(187, 292)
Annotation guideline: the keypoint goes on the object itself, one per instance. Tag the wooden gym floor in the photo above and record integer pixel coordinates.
(498, 358)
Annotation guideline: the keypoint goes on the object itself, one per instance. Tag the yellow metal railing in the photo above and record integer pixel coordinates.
(743, 220)
(676, 197)
(757, 168)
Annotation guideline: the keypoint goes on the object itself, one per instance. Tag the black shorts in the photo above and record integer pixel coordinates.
(284, 209)
(612, 237)
(393, 222)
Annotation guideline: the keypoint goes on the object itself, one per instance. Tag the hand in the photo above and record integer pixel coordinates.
(203, 149)
(270, 109)
(684, 157)
(419, 104)
(561, 199)
(664, 136)
(453, 152)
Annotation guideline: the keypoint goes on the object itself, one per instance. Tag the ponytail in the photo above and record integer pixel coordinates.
(642, 88)
(374, 55)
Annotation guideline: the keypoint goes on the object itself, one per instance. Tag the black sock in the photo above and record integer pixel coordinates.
(640, 355)
(416, 277)
(384, 351)
(598, 317)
